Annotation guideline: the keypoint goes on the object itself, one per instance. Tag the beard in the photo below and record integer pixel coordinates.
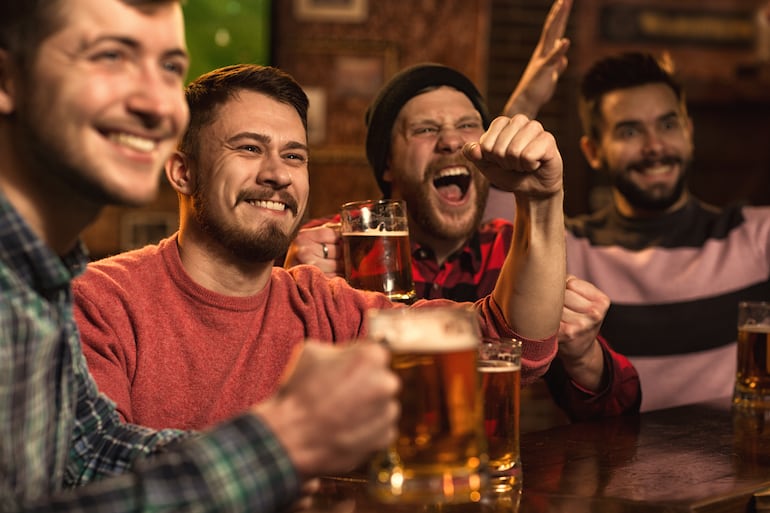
(264, 244)
(430, 216)
(655, 199)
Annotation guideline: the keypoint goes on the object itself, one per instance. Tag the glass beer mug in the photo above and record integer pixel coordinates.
(752, 381)
(440, 453)
(375, 247)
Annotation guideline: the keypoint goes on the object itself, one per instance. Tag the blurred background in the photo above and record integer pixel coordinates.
(342, 51)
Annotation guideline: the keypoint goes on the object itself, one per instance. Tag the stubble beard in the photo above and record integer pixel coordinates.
(650, 200)
(263, 244)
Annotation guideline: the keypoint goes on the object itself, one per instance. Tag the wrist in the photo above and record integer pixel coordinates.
(586, 370)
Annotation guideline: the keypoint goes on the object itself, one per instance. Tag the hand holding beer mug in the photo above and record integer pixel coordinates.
(752, 381)
(375, 247)
(440, 453)
(499, 365)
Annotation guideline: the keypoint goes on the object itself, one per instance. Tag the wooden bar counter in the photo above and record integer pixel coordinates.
(696, 458)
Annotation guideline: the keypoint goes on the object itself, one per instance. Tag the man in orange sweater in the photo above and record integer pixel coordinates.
(185, 332)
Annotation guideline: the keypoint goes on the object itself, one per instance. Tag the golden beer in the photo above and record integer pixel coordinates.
(499, 366)
(381, 261)
(501, 385)
(752, 385)
(439, 455)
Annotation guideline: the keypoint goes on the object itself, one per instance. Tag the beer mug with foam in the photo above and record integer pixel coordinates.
(499, 366)
(375, 247)
(752, 380)
(440, 453)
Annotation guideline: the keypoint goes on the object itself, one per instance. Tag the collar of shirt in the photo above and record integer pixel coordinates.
(469, 255)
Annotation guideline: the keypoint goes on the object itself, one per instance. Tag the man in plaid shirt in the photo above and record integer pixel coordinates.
(91, 105)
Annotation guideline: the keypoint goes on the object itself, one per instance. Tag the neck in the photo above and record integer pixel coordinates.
(54, 212)
(215, 268)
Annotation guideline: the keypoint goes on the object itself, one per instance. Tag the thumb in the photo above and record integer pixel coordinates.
(472, 151)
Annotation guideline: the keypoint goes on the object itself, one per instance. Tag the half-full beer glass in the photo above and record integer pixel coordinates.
(752, 380)
(440, 453)
(499, 366)
(375, 247)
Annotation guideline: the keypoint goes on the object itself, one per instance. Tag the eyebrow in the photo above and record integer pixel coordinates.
(462, 119)
(134, 44)
(636, 122)
(266, 139)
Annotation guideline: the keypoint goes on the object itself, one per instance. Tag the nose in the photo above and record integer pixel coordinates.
(154, 99)
(449, 140)
(653, 143)
(273, 174)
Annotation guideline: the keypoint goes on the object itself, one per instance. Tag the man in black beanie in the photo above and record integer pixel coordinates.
(416, 129)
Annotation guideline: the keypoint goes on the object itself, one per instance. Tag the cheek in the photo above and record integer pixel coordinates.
(301, 181)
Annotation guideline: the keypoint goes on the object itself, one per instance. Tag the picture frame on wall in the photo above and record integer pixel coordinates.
(339, 11)
(137, 229)
(342, 79)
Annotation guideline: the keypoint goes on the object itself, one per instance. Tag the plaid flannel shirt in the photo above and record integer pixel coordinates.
(58, 434)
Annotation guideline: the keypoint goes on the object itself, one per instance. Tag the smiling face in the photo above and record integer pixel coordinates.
(645, 144)
(445, 193)
(251, 179)
(103, 105)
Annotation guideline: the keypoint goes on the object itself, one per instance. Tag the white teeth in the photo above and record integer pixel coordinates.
(270, 205)
(133, 141)
(657, 170)
(453, 171)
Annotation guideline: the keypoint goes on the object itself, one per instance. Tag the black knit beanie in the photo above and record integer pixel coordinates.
(404, 86)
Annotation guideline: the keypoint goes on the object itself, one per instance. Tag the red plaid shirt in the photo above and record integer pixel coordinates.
(471, 273)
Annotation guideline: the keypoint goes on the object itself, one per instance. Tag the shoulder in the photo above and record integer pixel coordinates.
(310, 280)
(135, 268)
(580, 224)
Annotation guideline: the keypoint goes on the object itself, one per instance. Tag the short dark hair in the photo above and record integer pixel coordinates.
(209, 91)
(24, 24)
(621, 72)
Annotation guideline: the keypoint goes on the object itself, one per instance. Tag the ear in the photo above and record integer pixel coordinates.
(6, 83)
(590, 151)
(178, 173)
(690, 126)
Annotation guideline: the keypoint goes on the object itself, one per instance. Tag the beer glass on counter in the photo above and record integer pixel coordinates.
(499, 365)
(375, 247)
(440, 452)
(752, 381)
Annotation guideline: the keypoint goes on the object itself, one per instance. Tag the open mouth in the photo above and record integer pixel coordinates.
(452, 183)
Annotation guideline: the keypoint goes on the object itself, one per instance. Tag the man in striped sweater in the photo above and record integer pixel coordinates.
(674, 267)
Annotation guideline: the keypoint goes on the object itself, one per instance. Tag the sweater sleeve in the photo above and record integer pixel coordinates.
(536, 354)
(620, 395)
(111, 361)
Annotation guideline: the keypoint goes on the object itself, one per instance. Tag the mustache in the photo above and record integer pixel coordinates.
(668, 160)
(269, 195)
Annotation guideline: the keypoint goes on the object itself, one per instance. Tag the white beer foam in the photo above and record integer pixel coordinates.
(497, 366)
(756, 328)
(423, 330)
(376, 232)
